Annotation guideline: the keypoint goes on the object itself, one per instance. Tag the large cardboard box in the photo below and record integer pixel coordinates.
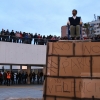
(52, 66)
(68, 66)
(57, 98)
(61, 87)
(69, 48)
(96, 66)
(60, 48)
(87, 48)
(63, 99)
(74, 66)
(90, 87)
(49, 98)
(84, 88)
(72, 69)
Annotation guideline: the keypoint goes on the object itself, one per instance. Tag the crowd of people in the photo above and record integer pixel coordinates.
(10, 78)
(27, 38)
(23, 37)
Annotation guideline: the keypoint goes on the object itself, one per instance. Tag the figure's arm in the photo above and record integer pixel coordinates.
(80, 21)
(68, 23)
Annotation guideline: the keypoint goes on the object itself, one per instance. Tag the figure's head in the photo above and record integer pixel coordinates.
(74, 12)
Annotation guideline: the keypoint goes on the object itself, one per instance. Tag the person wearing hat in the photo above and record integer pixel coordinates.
(74, 23)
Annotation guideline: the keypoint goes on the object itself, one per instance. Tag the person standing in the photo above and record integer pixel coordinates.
(34, 76)
(12, 36)
(8, 78)
(0, 78)
(23, 77)
(41, 76)
(3, 34)
(21, 36)
(17, 78)
(12, 78)
(45, 40)
(39, 39)
(38, 77)
(7, 35)
(17, 35)
(35, 39)
(30, 76)
(5, 78)
(26, 76)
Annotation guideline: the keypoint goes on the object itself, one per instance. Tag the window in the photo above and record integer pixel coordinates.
(5, 66)
(36, 67)
(24, 67)
(15, 66)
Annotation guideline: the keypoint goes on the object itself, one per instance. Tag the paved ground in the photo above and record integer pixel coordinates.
(28, 91)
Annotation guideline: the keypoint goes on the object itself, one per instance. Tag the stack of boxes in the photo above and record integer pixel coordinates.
(72, 71)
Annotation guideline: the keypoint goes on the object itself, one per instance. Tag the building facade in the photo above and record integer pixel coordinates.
(95, 26)
(19, 57)
(64, 31)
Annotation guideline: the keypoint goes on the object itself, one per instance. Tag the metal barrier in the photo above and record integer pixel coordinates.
(28, 40)
(69, 32)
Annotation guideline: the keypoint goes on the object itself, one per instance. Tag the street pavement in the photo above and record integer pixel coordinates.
(25, 92)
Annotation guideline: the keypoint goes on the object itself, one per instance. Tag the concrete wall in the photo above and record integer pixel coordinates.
(16, 53)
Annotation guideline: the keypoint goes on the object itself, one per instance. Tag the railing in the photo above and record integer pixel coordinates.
(26, 40)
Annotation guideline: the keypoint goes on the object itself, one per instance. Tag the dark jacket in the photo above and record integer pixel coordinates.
(74, 22)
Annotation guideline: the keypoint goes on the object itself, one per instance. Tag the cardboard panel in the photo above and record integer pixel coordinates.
(61, 48)
(86, 88)
(87, 48)
(52, 66)
(74, 66)
(50, 45)
(78, 86)
(53, 98)
(60, 87)
(63, 99)
(96, 66)
(50, 98)
(90, 88)
(57, 98)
